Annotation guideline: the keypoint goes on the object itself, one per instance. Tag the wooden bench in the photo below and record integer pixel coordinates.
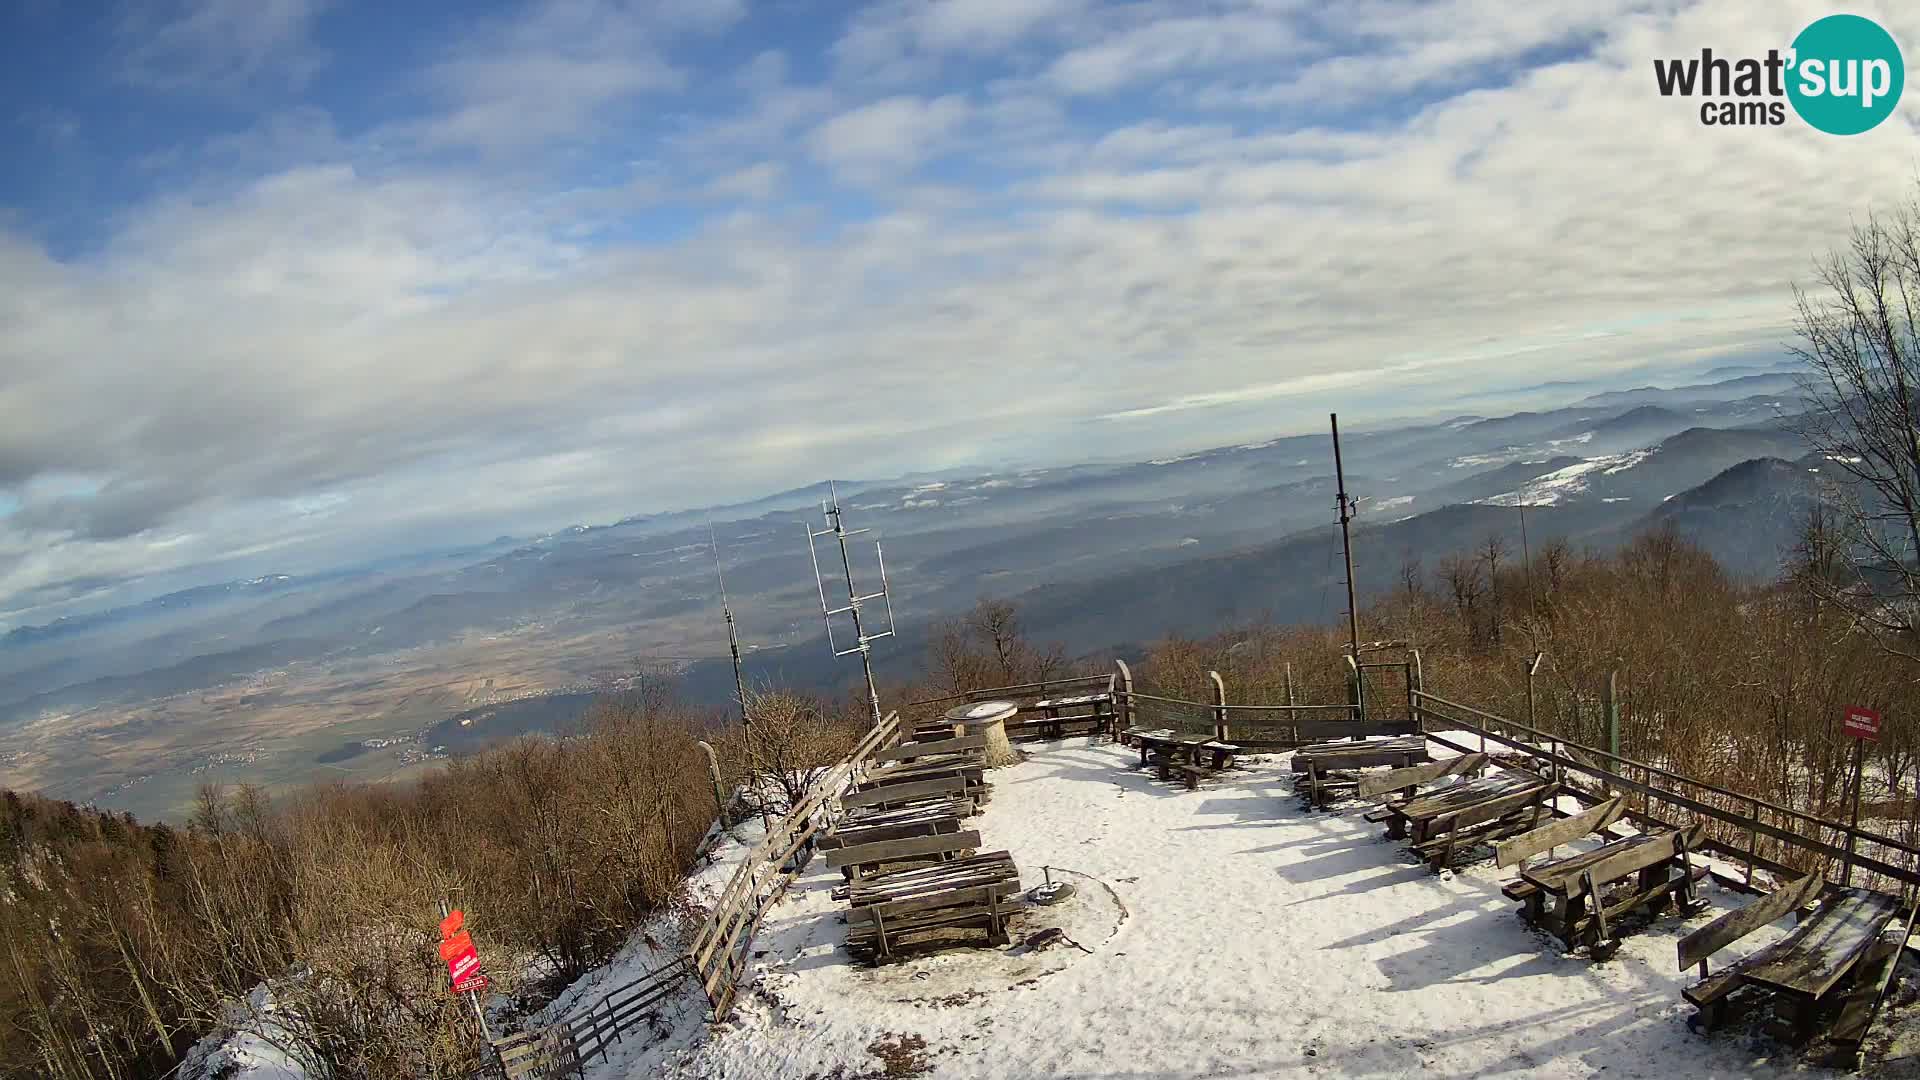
(973, 770)
(1466, 815)
(1568, 896)
(891, 796)
(897, 912)
(1405, 782)
(965, 745)
(925, 818)
(1327, 770)
(1095, 710)
(1845, 944)
(858, 861)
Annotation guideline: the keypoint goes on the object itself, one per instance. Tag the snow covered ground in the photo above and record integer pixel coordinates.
(1229, 932)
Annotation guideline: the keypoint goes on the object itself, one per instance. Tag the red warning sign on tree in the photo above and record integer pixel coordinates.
(1861, 723)
(463, 960)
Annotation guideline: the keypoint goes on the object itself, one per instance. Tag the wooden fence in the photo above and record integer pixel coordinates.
(724, 942)
(1759, 834)
(560, 1051)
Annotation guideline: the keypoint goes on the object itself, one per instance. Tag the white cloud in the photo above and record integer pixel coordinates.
(887, 136)
(221, 45)
(335, 343)
(758, 181)
(558, 67)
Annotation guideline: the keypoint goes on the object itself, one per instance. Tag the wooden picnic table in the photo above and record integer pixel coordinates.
(1808, 963)
(892, 912)
(924, 769)
(1365, 753)
(1181, 752)
(1581, 910)
(1467, 814)
(1325, 769)
(1056, 713)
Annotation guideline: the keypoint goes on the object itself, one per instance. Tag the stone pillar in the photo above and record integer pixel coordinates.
(988, 718)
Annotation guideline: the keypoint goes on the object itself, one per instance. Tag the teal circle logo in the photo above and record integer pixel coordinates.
(1846, 74)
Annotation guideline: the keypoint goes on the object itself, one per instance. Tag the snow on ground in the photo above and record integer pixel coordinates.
(234, 1052)
(1231, 933)
(1572, 480)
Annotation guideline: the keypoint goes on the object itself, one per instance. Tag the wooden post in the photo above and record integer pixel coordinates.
(1123, 699)
(1853, 829)
(1610, 705)
(1219, 706)
(713, 776)
(1753, 838)
(1356, 690)
(1416, 682)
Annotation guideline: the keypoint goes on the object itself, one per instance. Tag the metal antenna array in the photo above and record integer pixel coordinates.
(837, 529)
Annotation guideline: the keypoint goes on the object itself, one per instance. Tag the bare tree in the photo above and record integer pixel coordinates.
(1461, 575)
(1492, 550)
(1859, 341)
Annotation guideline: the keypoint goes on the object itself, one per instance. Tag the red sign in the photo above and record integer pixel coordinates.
(1862, 723)
(463, 960)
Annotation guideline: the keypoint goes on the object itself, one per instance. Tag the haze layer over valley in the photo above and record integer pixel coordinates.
(372, 672)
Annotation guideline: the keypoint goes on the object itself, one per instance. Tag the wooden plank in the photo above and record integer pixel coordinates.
(1735, 925)
(1823, 949)
(940, 901)
(1498, 803)
(1861, 1006)
(1415, 775)
(1661, 848)
(968, 765)
(898, 793)
(1461, 796)
(1562, 875)
(892, 850)
(958, 867)
(853, 836)
(911, 750)
(1548, 837)
(1613, 860)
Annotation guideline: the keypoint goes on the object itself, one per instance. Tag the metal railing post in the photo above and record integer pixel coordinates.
(1219, 706)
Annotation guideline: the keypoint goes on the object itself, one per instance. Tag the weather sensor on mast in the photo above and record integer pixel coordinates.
(862, 640)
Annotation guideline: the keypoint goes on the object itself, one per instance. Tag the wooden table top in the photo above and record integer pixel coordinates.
(1820, 951)
(1562, 875)
(1412, 744)
(1461, 796)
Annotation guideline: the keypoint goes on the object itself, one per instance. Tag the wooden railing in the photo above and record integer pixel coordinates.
(1737, 822)
(560, 1051)
(724, 942)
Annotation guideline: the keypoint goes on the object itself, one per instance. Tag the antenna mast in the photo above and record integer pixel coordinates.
(733, 638)
(739, 683)
(836, 528)
(1346, 538)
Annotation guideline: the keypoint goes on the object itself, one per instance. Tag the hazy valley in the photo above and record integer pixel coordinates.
(369, 673)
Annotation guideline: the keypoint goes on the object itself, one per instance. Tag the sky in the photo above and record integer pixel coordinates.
(290, 283)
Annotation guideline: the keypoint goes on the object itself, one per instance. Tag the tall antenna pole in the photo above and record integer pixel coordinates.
(862, 640)
(1346, 538)
(739, 684)
(733, 638)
